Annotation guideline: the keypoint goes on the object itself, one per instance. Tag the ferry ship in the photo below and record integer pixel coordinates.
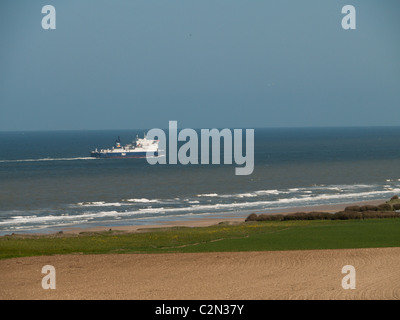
(137, 149)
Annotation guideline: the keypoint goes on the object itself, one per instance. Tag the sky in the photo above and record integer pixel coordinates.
(137, 64)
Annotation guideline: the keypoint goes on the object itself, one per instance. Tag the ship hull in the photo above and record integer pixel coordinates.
(121, 155)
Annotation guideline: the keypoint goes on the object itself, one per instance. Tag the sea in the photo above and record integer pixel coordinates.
(48, 181)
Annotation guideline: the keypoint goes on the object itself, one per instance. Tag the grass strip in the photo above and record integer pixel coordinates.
(249, 236)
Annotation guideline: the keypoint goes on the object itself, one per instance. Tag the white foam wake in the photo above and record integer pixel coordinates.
(48, 159)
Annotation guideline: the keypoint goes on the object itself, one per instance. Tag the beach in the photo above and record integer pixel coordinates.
(204, 222)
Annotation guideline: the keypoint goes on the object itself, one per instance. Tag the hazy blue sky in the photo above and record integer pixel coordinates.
(115, 64)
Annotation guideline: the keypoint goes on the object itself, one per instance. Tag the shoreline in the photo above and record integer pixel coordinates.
(206, 222)
(193, 222)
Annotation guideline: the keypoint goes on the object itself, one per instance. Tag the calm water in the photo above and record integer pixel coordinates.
(48, 182)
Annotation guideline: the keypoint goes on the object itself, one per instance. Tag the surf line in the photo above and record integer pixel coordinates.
(189, 151)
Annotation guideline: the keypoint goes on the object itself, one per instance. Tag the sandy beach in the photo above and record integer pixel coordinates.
(203, 222)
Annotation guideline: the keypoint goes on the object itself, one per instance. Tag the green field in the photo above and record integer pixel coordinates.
(249, 236)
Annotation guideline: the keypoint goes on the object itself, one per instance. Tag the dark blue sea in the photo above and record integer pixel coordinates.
(48, 182)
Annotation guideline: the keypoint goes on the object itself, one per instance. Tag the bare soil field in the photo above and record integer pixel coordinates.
(307, 274)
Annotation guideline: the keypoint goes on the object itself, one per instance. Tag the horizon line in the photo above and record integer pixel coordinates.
(255, 127)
